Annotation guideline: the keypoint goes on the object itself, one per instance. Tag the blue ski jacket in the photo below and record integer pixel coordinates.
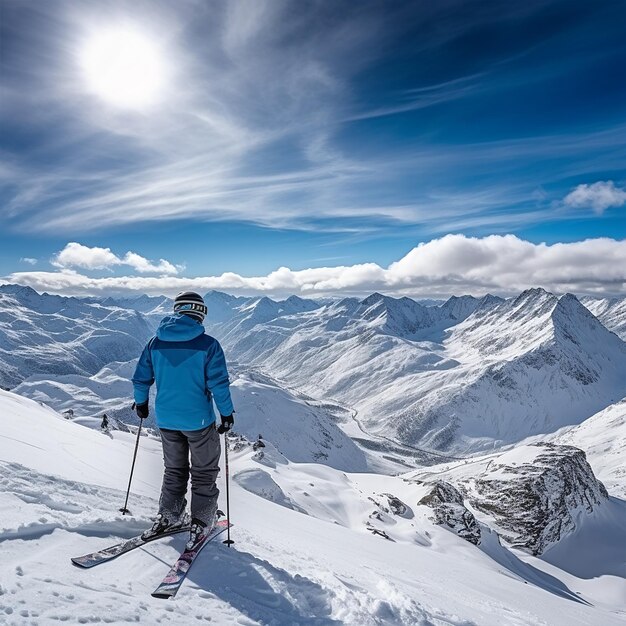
(189, 369)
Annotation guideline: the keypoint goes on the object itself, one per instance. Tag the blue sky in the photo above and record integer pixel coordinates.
(309, 134)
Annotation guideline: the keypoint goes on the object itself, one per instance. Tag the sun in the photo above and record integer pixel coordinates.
(124, 67)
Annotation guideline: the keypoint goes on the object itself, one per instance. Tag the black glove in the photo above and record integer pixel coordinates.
(142, 410)
(227, 424)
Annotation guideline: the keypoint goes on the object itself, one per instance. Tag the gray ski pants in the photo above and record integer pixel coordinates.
(204, 448)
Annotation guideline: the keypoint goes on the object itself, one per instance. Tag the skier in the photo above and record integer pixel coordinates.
(105, 423)
(189, 369)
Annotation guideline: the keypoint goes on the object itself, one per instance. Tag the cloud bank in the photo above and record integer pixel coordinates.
(76, 255)
(454, 264)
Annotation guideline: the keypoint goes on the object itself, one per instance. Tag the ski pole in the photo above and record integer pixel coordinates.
(227, 541)
(124, 510)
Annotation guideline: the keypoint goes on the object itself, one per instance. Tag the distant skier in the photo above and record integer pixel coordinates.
(189, 369)
(105, 423)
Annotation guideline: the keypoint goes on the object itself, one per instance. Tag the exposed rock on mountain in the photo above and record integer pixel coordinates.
(535, 494)
(391, 505)
(450, 511)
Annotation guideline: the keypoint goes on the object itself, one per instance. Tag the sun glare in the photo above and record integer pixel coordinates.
(124, 67)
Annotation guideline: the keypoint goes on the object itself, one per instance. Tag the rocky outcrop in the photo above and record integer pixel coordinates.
(449, 510)
(536, 493)
(392, 505)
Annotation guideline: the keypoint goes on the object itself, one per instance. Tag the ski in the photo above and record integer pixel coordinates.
(102, 556)
(175, 577)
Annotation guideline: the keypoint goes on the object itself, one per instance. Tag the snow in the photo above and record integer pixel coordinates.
(463, 377)
(610, 311)
(62, 484)
(603, 437)
(345, 394)
(55, 336)
(466, 376)
(300, 430)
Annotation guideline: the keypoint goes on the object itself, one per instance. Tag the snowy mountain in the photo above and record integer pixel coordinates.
(610, 311)
(149, 305)
(533, 364)
(55, 336)
(314, 545)
(107, 391)
(463, 376)
(221, 306)
(299, 431)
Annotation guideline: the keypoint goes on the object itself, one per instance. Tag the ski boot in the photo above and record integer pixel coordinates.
(199, 530)
(167, 523)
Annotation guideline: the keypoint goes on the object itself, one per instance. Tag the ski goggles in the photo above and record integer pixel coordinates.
(196, 307)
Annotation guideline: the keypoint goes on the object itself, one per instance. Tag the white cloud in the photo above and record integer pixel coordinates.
(599, 196)
(144, 266)
(77, 255)
(454, 264)
(29, 260)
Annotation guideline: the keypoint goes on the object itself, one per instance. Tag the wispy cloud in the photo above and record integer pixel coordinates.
(501, 264)
(28, 260)
(424, 97)
(77, 255)
(259, 97)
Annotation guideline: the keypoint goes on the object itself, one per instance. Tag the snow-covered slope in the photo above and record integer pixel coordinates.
(610, 311)
(62, 485)
(54, 335)
(603, 437)
(532, 365)
(464, 376)
(153, 308)
(301, 432)
(143, 303)
(107, 391)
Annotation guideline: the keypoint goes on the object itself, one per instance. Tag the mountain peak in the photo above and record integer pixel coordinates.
(573, 321)
(375, 298)
(18, 290)
(459, 307)
(535, 294)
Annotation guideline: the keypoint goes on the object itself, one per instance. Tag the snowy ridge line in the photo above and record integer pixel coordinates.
(459, 379)
(308, 399)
